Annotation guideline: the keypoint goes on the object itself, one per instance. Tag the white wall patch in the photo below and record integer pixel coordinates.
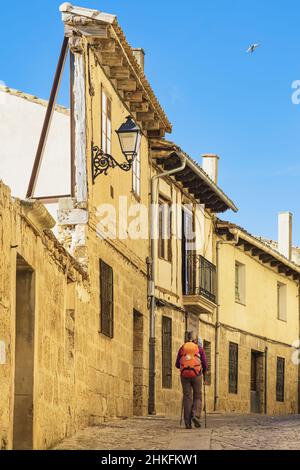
(2, 353)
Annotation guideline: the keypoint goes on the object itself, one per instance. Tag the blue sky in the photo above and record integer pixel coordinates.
(219, 99)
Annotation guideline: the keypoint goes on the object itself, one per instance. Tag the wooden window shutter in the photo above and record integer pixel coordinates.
(106, 299)
(167, 352)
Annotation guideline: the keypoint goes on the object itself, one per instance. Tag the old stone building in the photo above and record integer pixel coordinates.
(91, 318)
(44, 293)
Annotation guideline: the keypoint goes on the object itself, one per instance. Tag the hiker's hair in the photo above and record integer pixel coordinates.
(191, 336)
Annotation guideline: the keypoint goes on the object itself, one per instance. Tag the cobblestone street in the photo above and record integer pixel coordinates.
(223, 433)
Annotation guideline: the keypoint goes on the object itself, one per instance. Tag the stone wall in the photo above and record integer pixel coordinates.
(80, 376)
(241, 402)
(59, 390)
(110, 361)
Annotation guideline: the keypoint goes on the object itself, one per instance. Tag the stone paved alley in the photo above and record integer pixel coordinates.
(223, 433)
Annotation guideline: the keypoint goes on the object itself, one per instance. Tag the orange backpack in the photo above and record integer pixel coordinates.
(190, 362)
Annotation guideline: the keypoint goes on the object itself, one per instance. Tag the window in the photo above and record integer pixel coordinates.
(280, 379)
(136, 175)
(164, 226)
(106, 123)
(207, 349)
(281, 301)
(106, 299)
(240, 283)
(166, 352)
(233, 368)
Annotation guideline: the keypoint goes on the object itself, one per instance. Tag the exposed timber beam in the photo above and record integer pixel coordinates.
(104, 44)
(113, 60)
(140, 108)
(119, 72)
(282, 269)
(275, 263)
(152, 125)
(256, 252)
(133, 96)
(265, 258)
(145, 117)
(126, 85)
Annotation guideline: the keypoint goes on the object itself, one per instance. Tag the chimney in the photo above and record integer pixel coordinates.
(139, 54)
(285, 222)
(210, 166)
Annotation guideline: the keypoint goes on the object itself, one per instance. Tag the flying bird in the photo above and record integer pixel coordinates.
(252, 48)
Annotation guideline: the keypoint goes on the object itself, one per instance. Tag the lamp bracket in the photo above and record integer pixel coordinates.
(102, 162)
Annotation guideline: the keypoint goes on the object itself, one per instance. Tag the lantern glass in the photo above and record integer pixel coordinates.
(130, 138)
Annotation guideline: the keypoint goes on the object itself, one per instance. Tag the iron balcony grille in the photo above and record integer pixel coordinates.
(199, 277)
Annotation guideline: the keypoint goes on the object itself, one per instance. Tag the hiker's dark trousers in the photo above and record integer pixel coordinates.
(192, 397)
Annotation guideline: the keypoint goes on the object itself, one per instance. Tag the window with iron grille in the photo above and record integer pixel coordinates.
(207, 349)
(233, 368)
(166, 352)
(165, 232)
(106, 300)
(280, 379)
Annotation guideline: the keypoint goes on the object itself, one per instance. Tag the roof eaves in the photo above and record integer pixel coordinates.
(196, 167)
(111, 20)
(258, 240)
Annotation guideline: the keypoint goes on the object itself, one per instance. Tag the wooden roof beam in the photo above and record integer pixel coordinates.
(157, 133)
(112, 60)
(145, 117)
(151, 125)
(265, 258)
(274, 263)
(220, 207)
(104, 44)
(184, 175)
(126, 85)
(133, 96)
(283, 269)
(197, 186)
(247, 246)
(142, 107)
(256, 252)
(290, 272)
(209, 197)
(122, 73)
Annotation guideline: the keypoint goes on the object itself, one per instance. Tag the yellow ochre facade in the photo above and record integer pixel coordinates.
(95, 304)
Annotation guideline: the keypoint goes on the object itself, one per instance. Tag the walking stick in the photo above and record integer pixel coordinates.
(181, 413)
(205, 417)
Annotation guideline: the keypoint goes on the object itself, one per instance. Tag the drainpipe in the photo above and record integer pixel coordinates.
(152, 338)
(218, 324)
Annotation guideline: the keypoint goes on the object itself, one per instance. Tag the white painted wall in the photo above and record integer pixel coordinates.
(21, 121)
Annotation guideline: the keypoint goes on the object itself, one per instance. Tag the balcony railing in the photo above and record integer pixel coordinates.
(199, 277)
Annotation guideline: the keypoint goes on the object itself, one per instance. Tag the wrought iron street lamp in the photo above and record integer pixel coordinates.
(130, 137)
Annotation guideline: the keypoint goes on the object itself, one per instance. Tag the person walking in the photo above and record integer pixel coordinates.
(192, 362)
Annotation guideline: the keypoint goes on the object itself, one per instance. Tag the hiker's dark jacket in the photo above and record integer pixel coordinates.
(202, 358)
